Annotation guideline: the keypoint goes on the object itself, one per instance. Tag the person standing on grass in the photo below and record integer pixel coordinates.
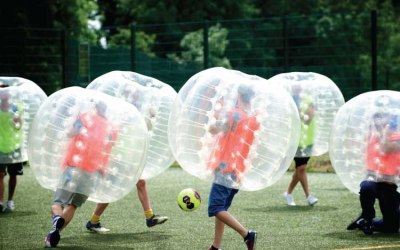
(383, 167)
(234, 138)
(307, 121)
(84, 163)
(10, 144)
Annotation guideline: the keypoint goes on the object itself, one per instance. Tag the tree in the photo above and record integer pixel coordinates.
(193, 47)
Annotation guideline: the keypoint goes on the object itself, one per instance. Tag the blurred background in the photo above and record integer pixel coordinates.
(60, 43)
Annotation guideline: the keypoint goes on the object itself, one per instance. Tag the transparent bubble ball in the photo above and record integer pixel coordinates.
(154, 100)
(362, 134)
(318, 99)
(87, 142)
(20, 99)
(234, 129)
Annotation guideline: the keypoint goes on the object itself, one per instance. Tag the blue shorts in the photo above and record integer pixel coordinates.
(220, 199)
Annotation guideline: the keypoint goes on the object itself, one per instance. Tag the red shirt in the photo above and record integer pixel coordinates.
(380, 162)
(90, 149)
(233, 146)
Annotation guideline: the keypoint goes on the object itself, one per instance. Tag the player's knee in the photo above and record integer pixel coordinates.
(141, 183)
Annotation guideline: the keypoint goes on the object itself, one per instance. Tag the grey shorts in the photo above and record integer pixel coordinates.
(75, 186)
(64, 198)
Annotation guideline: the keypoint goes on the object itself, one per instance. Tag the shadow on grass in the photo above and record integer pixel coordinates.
(112, 240)
(16, 214)
(288, 209)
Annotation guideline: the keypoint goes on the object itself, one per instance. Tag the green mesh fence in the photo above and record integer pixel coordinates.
(326, 44)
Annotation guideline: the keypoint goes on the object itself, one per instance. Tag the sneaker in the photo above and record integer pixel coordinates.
(250, 240)
(10, 205)
(289, 199)
(155, 220)
(357, 223)
(96, 228)
(53, 237)
(1, 208)
(368, 228)
(213, 248)
(311, 200)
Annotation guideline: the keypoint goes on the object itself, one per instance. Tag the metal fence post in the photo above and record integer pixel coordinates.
(205, 45)
(285, 43)
(63, 45)
(133, 46)
(374, 42)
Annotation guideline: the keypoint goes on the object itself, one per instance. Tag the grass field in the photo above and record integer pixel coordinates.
(278, 226)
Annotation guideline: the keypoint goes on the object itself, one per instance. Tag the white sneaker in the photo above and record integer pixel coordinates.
(10, 205)
(289, 199)
(311, 200)
(96, 228)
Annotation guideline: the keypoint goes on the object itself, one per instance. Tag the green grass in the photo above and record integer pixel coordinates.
(279, 227)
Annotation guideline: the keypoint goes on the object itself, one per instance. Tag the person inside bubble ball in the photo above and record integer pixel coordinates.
(383, 167)
(235, 134)
(10, 144)
(152, 219)
(85, 161)
(305, 105)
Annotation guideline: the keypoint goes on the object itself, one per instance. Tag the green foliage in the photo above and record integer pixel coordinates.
(155, 11)
(143, 41)
(192, 44)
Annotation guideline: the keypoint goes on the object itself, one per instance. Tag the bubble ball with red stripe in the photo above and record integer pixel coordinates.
(83, 141)
(154, 100)
(234, 129)
(365, 140)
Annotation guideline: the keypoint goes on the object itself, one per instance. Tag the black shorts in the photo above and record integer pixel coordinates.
(13, 169)
(299, 161)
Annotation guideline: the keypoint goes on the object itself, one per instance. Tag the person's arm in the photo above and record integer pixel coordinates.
(76, 128)
(309, 114)
(17, 121)
(389, 141)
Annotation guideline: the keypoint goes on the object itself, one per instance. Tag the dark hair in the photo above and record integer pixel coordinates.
(246, 93)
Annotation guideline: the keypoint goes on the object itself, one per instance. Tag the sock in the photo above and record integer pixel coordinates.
(94, 219)
(247, 236)
(55, 218)
(148, 213)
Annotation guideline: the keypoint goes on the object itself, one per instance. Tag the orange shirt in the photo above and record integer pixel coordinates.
(90, 149)
(380, 162)
(233, 146)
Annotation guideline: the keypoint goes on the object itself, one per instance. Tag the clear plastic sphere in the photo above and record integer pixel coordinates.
(364, 137)
(19, 101)
(154, 100)
(234, 129)
(318, 99)
(86, 142)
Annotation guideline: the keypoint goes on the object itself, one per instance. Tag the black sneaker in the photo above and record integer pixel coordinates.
(250, 240)
(1, 209)
(368, 227)
(53, 237)
(357, 223)
(156, 220)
